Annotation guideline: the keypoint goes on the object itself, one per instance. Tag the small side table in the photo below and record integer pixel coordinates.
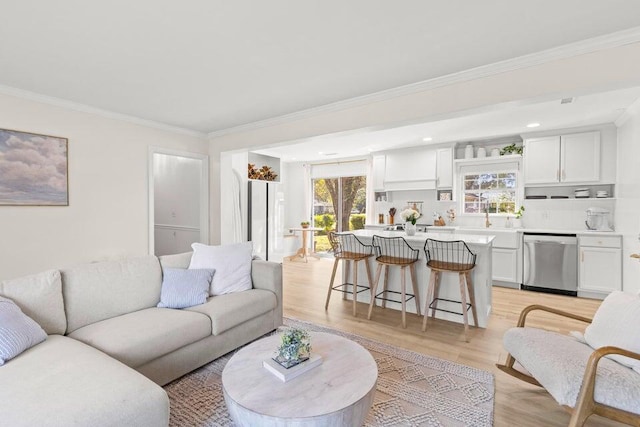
(303, 252)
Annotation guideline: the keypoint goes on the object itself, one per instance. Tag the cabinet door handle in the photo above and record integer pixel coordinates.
(581, 256)
(558, 174)
(636, 256)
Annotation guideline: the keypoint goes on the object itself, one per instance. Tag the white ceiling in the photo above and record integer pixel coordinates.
(208, 65)
(599, 108)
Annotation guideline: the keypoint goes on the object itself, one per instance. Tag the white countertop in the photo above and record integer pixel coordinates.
(468, 229)
(422, 237)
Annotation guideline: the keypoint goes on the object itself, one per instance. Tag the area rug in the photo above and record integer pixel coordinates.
(413, 389)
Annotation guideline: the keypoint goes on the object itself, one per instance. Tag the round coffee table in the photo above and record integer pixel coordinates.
(338, 392)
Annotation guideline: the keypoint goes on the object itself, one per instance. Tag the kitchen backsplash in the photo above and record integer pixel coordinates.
(566, 214)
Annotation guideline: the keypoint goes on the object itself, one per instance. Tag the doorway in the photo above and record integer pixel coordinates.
(339, 204)
(178, 200)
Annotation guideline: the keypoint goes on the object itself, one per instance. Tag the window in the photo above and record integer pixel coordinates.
(489, 188)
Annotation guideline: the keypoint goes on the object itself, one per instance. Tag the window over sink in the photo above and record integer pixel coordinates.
(490, 187)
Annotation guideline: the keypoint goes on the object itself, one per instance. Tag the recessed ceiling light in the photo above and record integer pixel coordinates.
(533, 125)
(320, 152)
(427, 139)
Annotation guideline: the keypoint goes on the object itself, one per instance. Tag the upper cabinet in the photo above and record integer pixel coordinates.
(444, 168)
(410, 169)
(573, 158)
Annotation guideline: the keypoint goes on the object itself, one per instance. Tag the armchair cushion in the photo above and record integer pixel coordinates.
(558, 362)
(616, 324)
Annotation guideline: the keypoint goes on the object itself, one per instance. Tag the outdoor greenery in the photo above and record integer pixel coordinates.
(326, 222)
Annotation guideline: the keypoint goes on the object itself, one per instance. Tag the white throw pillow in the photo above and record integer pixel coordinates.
(616, 323)
(232, 264)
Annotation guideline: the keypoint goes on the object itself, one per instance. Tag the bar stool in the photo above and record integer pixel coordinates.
(454, 257)
(395, 251)
(346, 247)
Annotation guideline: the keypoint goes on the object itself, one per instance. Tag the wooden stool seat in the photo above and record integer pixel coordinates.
(349, 249)
(453, 257)
(395, 251)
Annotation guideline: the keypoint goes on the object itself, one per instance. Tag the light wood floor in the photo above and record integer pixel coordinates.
(517, 403)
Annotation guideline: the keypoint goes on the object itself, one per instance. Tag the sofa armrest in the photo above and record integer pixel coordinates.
(268, 276)
(528, 309)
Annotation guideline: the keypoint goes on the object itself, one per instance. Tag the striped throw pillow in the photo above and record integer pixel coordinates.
(18, 332)
(183, 288)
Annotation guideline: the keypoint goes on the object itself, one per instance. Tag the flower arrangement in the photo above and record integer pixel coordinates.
(295, 347)
(410, 215)
(304, 224)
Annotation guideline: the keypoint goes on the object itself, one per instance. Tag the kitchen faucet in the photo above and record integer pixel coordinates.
(487, 224)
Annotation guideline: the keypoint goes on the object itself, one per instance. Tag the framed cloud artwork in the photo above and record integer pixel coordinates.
(33, 169)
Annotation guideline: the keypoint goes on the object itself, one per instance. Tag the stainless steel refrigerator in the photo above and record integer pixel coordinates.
(266, 219)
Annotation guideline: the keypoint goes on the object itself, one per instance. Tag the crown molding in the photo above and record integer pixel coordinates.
(631, 111)
(608, 41)
(58, 102)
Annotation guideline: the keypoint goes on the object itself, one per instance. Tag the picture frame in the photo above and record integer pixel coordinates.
(34, 169)
(445, 195)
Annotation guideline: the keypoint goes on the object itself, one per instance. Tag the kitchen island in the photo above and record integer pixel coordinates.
(449, 289)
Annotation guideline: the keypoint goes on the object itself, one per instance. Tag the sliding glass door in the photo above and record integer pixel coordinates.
(339, 204)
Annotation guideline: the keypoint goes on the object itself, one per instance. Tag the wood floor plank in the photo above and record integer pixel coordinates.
(516, 403)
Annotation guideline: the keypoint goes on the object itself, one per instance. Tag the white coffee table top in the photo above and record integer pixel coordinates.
(347, 374)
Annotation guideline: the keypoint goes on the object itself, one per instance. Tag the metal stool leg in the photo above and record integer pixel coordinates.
(374, 288)
(333, 276)
(463, 300)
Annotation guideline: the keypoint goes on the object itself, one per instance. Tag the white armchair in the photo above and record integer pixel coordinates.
(584, 379)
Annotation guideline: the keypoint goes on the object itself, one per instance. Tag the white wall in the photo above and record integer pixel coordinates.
(628, 191)
(593, 72)
(107, 216)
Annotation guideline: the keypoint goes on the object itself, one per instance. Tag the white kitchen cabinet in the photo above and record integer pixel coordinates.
(410, 169)
(572, 158)
(444, 168)
(378, 169)
(600, 264)
(505, 265)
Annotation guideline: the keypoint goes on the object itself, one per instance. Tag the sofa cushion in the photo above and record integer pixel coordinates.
(558, 363)
(176, 260)
(230, 310)
(184, 288)
(62, 382)
(99, 291)
(616, 324)
(18, 332)
(232, 264)
(39, 296)
(139, 337)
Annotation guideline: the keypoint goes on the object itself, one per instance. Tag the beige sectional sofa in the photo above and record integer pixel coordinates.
(109, 348)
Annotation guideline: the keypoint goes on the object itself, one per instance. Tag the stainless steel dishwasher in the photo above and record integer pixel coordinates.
(551, 263)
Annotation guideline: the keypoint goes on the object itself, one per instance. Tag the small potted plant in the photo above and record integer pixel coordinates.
(304, 224)
(295, 348)
(517, 222)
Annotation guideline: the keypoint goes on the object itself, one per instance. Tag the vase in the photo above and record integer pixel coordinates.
(410, 229)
